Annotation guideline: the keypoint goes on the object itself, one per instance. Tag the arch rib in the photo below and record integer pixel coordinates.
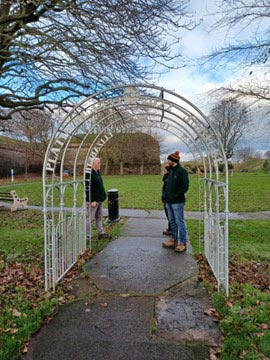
(111, 111)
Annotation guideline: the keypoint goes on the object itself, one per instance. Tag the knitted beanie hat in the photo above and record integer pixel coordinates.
(175, 157)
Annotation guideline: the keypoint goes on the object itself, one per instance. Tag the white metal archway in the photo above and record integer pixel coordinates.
(95, 121)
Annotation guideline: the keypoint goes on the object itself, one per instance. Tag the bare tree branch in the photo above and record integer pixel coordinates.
(251, 16)
(53, 51)
(32, 129)
(247, 20)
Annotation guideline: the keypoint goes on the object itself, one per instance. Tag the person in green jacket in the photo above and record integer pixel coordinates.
(95, 196)
(174, 196)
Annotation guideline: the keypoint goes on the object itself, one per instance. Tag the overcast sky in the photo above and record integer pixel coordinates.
(193, 82)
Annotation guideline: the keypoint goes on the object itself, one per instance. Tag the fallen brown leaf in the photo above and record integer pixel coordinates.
(208, 312)
(25, 349)
(264, 326)
(104, 305)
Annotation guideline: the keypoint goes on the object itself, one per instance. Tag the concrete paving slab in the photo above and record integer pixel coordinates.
(139, 265)
(122, 330)
(80, 328)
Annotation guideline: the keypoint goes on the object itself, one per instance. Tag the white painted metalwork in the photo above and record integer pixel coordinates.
(93, 122)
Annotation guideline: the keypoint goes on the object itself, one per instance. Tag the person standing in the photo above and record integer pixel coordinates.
(174, 196)
(95, 196)
(168, 231)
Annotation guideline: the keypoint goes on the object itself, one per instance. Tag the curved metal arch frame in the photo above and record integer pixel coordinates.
(211, 222)
(164, 126)
(203, 131)
(167, 124)
(189, 121)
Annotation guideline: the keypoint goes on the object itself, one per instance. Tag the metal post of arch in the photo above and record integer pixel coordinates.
(93, 122)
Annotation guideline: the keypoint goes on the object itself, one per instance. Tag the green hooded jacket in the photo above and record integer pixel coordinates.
(177, 185)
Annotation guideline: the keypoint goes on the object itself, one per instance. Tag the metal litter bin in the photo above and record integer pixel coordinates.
(113, 205)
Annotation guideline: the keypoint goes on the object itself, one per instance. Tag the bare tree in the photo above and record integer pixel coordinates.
(244, 154)
(127, 150)
(55, 51)
(258, 155)
(32, 129)
(230, 119)
(248, 37)
(267, 155)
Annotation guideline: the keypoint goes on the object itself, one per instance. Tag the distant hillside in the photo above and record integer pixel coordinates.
(12, 156)
(128, 153)
(251, 164)
(125, 153)
(8, 142)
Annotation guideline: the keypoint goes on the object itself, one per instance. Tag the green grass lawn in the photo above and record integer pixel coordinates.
(245, 315)
(24, 304)
(245, 322)
(247, 192)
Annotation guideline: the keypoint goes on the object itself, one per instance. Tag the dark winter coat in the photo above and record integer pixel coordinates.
(176, 186)
(165, 180)
(97, 192)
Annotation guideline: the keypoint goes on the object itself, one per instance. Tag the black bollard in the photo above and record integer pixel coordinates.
(113, 206)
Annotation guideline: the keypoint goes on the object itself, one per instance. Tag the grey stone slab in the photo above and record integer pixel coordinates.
(139, 265)
(180, 315)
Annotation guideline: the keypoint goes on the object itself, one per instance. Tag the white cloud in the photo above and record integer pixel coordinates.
(193, 82)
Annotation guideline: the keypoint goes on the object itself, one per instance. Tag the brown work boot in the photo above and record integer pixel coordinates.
(180, 248)
(170, 243)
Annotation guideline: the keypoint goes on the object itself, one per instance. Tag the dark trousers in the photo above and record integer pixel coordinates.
(166, 212)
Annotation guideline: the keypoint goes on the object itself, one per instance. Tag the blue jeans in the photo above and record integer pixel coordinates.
(176, 219)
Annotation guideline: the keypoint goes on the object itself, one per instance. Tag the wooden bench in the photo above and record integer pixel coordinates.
(13, 197)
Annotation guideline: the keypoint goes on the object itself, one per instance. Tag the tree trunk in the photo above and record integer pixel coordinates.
(106, 167)
(121, 168)
(26, 165)
(141, 167)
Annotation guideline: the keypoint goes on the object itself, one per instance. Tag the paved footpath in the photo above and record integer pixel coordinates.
(139, 302)
(159, 214)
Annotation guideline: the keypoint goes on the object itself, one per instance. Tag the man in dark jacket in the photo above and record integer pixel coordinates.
(174, 196)
(95, 195)
(168, 231)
